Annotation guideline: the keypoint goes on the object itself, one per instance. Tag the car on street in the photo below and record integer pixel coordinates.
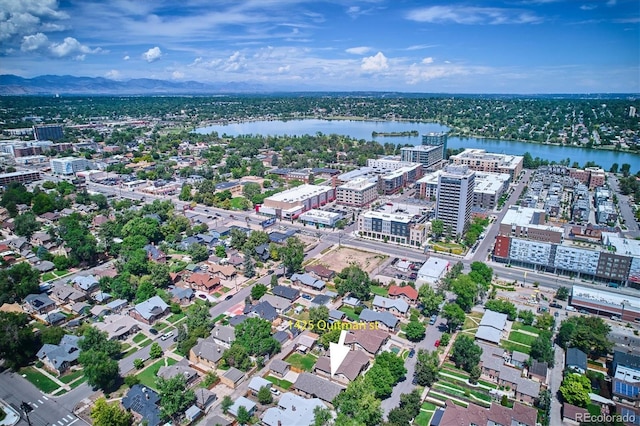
(166, 335)
(615, 318)
(153, 331)
(414, 381)
(202, 296)
(433, 319)
(306, 296)
(274, 391)
(583, 312)
(412, 352)
(229, 297)
(436, 343)
(555, 305)
(556, 314)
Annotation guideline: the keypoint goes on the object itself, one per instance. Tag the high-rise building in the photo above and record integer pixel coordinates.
(49, 132)
(429, 156)
(358, 192)
(69, 165)
(455, 198)
(436, 139)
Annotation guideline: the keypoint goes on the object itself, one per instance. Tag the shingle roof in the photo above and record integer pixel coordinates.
(406, 291)
(258, 382)
(234, 375)
(370, 340)
(576, 358)
(67, 350)
(314, 385)
(143, 401)
(286, 292)
(386, 303)
(386, 318)
(265, 311)
(308, 280)
(151, 307)
(208, 349)
(292, 410)
(279, 366)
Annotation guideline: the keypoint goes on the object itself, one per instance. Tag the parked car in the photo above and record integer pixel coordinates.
(229, 297)
(615, 318)
(202, 296)
(306, 296)
(436, 343)
(583, 312)
(414, 381)
(274, 391)
(153, 331)
(167, 335)
(412, 352)
(433, 319)
(555, 305)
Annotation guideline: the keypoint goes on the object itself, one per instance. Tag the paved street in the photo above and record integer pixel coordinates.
(47, 411)
(555, 379)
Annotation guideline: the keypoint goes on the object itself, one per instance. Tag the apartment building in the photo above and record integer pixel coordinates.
(391, 227)
(483, 161)
(431, 157)
(357, 193)
(291, 203)
(455, 198)
(527, 222)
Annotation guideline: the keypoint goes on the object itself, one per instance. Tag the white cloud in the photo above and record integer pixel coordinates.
(285, 68)
(22, 17)
(375, 63)
(428, 60)
(177, 75)
(34, 42)
(235, 62)
(152, 54)
(126, 57)
(472, 15)
(71, 46)
(113, 75)
(361, 50)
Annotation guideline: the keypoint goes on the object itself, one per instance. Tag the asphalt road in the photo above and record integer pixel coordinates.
(47, 411)
(633, 230)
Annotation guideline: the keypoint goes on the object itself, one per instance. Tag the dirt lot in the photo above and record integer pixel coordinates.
(342, 257)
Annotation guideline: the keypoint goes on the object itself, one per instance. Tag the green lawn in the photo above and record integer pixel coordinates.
(456, 373)
(78, 383)
(524, 339)
(279, 382)
(350, 313)
(41, 381)
(145, 343)
(380, 291)
(139, 337)
(161, 326)
(513, 346)
(148, 376)
(303, 362)
(52, 275)
(428, 406)
(238, 203)
(423, 419)
(174, 318)
(520, 326)
(218, 318)
(70, 377)
(488, 384)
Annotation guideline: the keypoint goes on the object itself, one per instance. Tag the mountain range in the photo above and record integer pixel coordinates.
(66, 84)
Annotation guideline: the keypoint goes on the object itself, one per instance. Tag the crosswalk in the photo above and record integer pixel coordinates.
(64, 421)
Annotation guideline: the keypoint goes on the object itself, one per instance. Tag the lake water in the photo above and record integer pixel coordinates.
(363, 129)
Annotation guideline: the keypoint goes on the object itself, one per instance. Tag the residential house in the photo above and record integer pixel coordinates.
(64, 294)
(39, 303)
(99, 310)
(154, 254)
(193, 413)
(398, 307)
(312, 386)
(292, 410)
(203, 281)
(371, 341)
(58, 358)
(492, 360)
(524, 390)
(573, 415)
(308, 280)
(218, 420)
(576, 360)
(118, 327)
(117, 306)
(351, 301)
(288, 293)
(321, 300)
(383, 320)
(54, 318)
(518, 359)
(353, 364)
(41, 239)
(150, 310)
(225, 272)
(262, 251)
(307, 340)
(237, 320)
(44, 266)
(249, 405)
(180, 368)
(223, 335)
(206, 352)
(87, 284)
(181, 296)
(204, 398)
(492, 326)
(626, 376)
(232, 377)
(280, 304)
(520, 415)
(235, 260)
(406, 293)
(336, 315)
(539, 371)
(80, 308)
(145, 403)
(320, 271)
(262, 310)
(279, 367)
(258, 383)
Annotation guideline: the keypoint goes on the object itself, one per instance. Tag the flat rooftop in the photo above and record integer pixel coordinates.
(358, 184)
(299, 193)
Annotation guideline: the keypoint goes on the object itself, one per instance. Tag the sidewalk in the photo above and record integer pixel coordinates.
(12, 416)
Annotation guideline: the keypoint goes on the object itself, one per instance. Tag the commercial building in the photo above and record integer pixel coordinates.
(432, 271)
(19, 177)
(320, 217)
(435, 139)
(69, 165)
(395, 228)
(482, 161)
(358, 192)
(429, 156)
(590, 176)
(52, 132)
(615, 261)
(487, 190)
(526, 222)
(291, 203)
(455, 198)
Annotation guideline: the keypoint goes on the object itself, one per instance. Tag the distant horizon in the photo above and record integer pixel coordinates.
(275, 90)
(413, 46)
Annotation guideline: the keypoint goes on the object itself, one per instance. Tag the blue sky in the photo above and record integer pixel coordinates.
(511, 46)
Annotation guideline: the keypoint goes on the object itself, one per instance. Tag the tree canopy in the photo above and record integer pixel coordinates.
(587, 333)
(106, 414)
(18, 344)
(254, 334)
(465, 353)
(353, 280)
